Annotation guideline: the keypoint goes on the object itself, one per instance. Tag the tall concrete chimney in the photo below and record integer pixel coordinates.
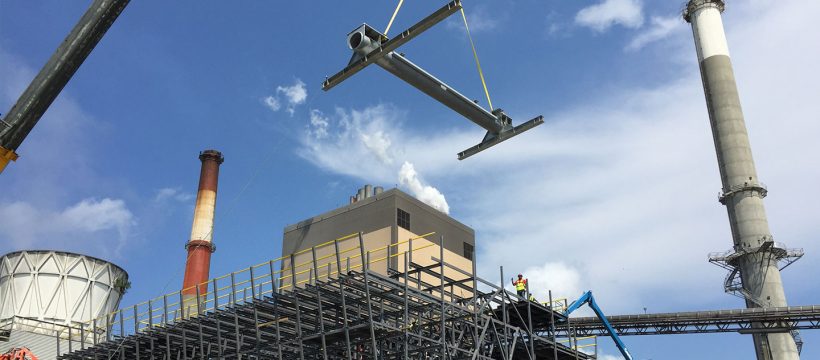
(753, 262)
(200, 246)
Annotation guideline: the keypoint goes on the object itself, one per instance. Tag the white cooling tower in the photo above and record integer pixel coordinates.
(58, 288)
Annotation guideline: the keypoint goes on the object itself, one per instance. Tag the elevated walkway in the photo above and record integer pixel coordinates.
(776, 319)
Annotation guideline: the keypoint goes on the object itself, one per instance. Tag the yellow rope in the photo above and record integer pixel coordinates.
(477, 63)
(396, 12)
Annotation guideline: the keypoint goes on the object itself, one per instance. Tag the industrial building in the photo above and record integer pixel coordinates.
(387, 221)
(48, 298)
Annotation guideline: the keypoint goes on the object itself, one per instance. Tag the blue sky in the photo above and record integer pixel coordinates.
(617, 192)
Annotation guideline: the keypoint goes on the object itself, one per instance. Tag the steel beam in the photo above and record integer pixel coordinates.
(370, 46)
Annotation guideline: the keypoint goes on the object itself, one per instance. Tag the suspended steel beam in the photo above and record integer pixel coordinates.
(370, 46)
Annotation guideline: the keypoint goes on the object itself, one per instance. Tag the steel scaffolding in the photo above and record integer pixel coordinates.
(347, 312)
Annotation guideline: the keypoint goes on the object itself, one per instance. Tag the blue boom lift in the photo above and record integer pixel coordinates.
(587, 298)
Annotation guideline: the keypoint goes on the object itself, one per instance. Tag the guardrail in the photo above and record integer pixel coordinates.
(240, 287)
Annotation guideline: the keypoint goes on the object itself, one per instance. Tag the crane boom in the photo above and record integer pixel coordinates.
(55, 74)
(588, 299)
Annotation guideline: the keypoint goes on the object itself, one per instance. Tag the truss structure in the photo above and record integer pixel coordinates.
(353, 313)
(778, 319)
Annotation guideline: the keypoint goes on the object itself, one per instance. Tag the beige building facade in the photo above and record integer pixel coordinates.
(391, 223)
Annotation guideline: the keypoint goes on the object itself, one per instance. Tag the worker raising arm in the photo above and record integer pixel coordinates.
(520, 285)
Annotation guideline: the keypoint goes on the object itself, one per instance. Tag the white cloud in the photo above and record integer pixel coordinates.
(354, 142)
(602, 16)
(379, 143)
(294, 95)
(562, 279)
(318, 125)
(27, 226)
(176, 194)
(427, 194)
(660, 28)
(91, 215)
(272, 103)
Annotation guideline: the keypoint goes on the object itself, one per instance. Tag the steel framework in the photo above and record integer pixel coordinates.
(348, 312)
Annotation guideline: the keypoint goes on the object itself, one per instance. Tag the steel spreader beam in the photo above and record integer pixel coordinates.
(389, 45)
(370, 46)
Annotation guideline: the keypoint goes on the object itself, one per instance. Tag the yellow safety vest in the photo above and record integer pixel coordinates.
(520, 285)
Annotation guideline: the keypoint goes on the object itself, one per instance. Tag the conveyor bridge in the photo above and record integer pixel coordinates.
(755, 320)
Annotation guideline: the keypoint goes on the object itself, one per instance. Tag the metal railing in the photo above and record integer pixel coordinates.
(239, 287)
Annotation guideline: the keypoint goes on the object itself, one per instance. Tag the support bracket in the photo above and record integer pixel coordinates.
(491, 140)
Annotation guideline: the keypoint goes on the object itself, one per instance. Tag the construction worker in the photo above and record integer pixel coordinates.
(520, 285)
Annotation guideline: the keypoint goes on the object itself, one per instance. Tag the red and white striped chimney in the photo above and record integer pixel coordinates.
(200, 246)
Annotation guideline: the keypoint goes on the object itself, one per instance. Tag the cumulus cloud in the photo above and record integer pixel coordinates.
(659, 29)
(292, 96)
(27, 226)
(562, 279)
(272, 103)
(602, 16)
(427, 194)
(295, 94)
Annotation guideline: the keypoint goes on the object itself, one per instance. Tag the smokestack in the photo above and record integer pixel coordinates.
(200, 246)
(368, 191)
(755, 258)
